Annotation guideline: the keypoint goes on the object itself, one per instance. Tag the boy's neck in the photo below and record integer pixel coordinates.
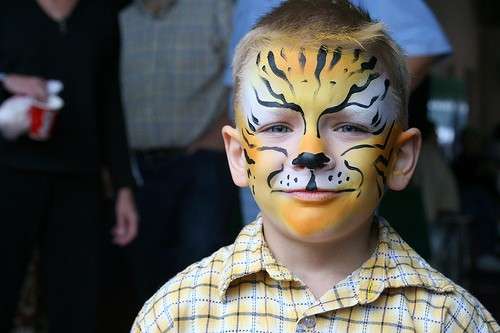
(321, 265)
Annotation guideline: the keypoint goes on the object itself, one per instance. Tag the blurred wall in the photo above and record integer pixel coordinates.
(476, 57)
(490, 76)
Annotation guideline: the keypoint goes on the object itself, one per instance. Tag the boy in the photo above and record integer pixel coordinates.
(320, 102)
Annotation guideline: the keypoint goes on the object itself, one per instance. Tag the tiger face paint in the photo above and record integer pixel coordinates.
(318, 129)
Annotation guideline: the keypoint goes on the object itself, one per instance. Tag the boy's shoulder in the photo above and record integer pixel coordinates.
(464, 313)
(200, 279)
(424, 289)
(201, 283)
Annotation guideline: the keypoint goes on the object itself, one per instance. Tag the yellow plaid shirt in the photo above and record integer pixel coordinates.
(242, 288)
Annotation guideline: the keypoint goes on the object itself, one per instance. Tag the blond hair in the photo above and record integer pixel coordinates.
(332, 24)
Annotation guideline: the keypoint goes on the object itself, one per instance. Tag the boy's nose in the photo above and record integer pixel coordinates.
(311, 161)
(310, 143)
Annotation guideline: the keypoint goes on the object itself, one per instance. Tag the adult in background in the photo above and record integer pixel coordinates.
(174, 57)
(477, 179)
(411, 24)
(50, 191)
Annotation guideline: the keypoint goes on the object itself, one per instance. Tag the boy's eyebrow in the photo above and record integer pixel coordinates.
(281, 97)
(284, 103)
(345, 103)
(378, 146)
(354, 90)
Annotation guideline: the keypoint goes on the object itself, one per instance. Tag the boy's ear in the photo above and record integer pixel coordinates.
(235, 155)
(405, 159)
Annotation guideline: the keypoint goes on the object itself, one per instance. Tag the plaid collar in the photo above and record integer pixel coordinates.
(394, 264)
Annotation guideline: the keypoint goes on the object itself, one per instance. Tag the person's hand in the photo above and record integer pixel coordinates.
(31, 86)
(127, 220)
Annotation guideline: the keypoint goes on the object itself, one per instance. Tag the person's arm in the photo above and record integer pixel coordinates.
(211, 139)
(114, 142)
(416, 30)
(13, 83)
(412, 24)
(18, 84)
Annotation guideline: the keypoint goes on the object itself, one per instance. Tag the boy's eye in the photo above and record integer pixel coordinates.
(278, 129)
(348, 128)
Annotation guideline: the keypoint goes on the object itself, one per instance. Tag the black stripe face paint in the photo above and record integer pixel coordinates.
(311, 185)
(282, 54)
(337, 54)
(277, 149)
(302, 59)
(355, 89)
(370, 65)
(387, 84)
(251, 126)
(357, 52)
(255, 120)
(283, 105)
(376, 118)
(278, 72)
(320, 64)
(250, 145)
(272, 175)
(247, 158)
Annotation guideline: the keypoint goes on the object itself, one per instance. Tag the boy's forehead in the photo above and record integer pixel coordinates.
(312, 59)
(314, 77)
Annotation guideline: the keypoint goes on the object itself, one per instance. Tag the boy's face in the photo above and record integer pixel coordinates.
(318, 129)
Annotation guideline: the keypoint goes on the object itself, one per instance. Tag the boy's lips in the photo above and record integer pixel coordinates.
(313, 196)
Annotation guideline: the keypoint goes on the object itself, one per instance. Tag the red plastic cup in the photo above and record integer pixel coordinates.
(42, 118)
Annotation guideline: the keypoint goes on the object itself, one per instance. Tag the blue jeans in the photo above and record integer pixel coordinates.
(186, 204)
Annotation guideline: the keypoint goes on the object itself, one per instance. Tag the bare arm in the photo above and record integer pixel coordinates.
(26, 85)
(211, 139)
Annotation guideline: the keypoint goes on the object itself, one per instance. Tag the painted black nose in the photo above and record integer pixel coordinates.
(311, 161)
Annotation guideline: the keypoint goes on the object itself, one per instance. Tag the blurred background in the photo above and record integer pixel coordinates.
(450, 214)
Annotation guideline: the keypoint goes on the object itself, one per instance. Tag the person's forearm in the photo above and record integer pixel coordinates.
(211, 137)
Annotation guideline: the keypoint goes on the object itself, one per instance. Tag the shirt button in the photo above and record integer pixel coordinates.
(309, 322)
(300, 329)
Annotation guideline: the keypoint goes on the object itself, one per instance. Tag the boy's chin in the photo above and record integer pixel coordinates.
(314, 226)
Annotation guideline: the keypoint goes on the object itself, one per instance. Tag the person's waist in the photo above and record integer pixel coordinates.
(160, 152)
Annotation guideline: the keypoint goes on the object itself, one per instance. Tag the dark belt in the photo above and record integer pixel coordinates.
(159, 152)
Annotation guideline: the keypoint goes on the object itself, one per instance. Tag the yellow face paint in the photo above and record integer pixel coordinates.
(318, 129)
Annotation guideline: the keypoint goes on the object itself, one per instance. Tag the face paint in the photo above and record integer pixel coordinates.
(318, 129)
